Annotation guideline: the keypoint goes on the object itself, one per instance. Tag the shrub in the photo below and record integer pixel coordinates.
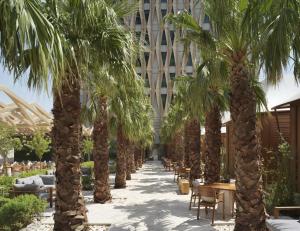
(19, 212)
(33, 173)
(7, 181)
(88, 164)
(3, 201)
(87, 182)
(280, 193)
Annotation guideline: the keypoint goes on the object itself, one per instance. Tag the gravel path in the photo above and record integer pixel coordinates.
(149, 202)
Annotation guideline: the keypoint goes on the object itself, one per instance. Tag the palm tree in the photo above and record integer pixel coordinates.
(132, 111)
(29, 42)
(83, 24)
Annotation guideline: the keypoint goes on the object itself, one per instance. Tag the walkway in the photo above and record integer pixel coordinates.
(150, 202)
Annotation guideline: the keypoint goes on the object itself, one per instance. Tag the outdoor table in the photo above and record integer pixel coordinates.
(229, 192)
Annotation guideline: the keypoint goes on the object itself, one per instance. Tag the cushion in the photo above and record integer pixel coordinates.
(26, 188)
(207, 199)
(283, 224)
(44, 196)
(48, 179)
(29, 180)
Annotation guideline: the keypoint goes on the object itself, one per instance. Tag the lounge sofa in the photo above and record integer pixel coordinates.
(43, 186)
(283, 223)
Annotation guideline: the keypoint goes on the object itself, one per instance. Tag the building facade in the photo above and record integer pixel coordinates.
(164, 56)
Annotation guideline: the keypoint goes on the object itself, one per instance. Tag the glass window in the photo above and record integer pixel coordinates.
(172, 35)
(164, 81)
(172, 76)
(190, 61)
(147, 84)
(146, 55)
(164, 39)
(138, 19)
(164, 57)
(172, 60)
(206, 19)
(147, 13)
(163, 12)
(164, 99)
(147, 41)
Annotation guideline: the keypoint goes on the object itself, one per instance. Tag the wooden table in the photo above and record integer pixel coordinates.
(229, 194)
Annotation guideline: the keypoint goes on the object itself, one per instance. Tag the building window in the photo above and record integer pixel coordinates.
(164, 57)
(190, 61)
(163, 13)
(172, 60)
(147, 41)
(172, 76)
(163, 1)
(206, 19)
(146, 55)
(138, 19)
(147, 84)
(164, 82)
(147, 12)
(146, 1)
(164, 39)
(172, 35)
(164, 99)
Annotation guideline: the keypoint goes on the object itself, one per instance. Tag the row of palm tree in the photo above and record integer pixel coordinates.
(245, 39)
(71, 44)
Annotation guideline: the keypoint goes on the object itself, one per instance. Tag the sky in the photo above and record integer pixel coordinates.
(21, 90)
(286, 89)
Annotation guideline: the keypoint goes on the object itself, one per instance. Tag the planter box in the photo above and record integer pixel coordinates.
(184, 186)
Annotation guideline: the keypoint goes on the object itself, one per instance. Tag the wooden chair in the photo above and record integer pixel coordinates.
(209, 198)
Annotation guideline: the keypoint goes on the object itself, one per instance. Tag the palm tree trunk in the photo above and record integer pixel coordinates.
(120, 180)
(179, 147)
(250, 213)
(128, 161)
(213, 143)
(70, 211)
(131, 149)
(195, 145)
(186, 146)
(101, 153)
(136, 157)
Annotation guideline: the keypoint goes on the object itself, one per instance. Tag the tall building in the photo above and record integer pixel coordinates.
(164, 57)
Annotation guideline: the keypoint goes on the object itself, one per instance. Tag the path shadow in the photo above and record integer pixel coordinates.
(158, 215)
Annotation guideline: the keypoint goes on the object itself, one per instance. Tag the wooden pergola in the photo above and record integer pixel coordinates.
(26, 117)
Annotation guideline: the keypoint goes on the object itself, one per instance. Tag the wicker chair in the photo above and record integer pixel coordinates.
(209, 198)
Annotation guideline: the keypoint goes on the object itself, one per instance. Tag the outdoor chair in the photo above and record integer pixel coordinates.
(194, 195)
(209, 198)
(42, 186)
(183, 173)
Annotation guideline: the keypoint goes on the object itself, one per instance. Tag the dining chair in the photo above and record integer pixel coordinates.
(209, 198)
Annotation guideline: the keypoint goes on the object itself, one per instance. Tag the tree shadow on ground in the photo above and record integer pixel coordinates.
(159, 216)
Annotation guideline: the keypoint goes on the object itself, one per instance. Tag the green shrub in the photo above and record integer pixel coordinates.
(87, 182)
(88, 164)
(280, 193)
(19, 212)
(3, 201)
(7, 181)
(33, 173)
(112, 168)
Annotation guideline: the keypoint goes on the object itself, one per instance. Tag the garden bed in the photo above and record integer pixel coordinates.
(38, 226)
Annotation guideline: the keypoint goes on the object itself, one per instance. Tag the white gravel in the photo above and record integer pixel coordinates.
(149, 202)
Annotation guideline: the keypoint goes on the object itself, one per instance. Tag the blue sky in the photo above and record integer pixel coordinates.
(21, 90)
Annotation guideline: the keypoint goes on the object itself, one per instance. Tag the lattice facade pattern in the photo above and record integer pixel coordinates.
(164, 56)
